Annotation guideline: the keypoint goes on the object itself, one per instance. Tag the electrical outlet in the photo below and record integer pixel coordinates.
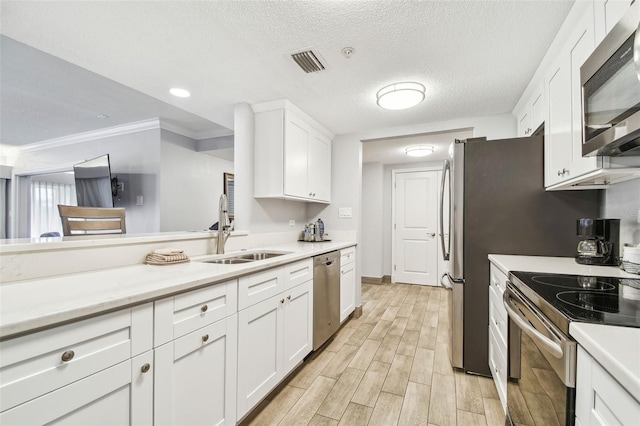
(292, 222)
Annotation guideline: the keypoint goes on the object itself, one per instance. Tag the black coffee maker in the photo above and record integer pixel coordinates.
(601, 245)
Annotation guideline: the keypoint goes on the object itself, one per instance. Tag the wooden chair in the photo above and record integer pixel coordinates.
(91, 220)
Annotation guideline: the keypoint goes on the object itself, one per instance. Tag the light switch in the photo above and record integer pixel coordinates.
(345, 212)
(139, 200)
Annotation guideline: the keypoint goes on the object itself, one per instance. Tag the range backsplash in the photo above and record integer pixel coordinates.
(622, 201)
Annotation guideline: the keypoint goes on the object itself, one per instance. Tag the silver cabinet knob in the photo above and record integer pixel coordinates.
(68, 356)
(205, 337)
(204, 308)
(145, 368)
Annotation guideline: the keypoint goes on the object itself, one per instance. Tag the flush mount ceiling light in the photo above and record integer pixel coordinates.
(181, 93)
(400, 95)
(419, 150)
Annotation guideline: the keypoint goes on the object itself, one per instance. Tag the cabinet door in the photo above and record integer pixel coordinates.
(120, 395)
(347, 289)
(524, 123)
(581, 45)
(319, 167)
(607, 15)
(600, 399)
(537, 108)
(259, 351)
(558, 123)
(298, 325)
(196, 377)
(296, 142)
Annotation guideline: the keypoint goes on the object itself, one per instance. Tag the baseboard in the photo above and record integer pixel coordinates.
(357, 313)
(371, 280)
(386, 279)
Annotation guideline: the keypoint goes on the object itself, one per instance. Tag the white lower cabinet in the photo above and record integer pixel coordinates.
(119, 395)
(498, 332)
(80, 372)
(600, 399)
(347, 282)
(273, 337)
(195, 377)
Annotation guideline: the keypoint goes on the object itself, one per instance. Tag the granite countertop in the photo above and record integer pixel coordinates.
(617, 349)
(30, 305)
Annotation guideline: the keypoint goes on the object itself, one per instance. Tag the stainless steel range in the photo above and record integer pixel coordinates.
(542, 360)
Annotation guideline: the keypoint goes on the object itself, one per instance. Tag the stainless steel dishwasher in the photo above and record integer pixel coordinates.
(326, 297)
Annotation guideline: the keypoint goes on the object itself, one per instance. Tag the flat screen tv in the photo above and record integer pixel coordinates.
(93, 182)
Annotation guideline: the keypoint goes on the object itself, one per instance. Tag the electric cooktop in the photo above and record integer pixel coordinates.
(566, 298)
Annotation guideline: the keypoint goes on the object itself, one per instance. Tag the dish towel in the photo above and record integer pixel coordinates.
(166, 256)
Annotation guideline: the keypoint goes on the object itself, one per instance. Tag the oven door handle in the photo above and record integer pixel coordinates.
(553, 347)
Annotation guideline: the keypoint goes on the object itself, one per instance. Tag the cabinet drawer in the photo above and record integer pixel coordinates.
(179, 315)
(297, 273)
(498, 366)
(498, 279)
(347, 256)
(38, 363)
(258, 287)
(498, 315)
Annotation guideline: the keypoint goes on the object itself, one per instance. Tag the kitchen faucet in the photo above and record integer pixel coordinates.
(224, 227)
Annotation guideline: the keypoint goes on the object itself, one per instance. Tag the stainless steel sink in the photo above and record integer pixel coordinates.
(241, 258)
(258, 256)
(229, 261)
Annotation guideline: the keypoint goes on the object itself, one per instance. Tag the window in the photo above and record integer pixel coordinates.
(45, 197)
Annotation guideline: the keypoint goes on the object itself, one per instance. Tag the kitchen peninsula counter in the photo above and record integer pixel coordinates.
(30, 305)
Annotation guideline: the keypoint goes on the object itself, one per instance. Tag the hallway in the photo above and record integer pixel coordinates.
(388, 367)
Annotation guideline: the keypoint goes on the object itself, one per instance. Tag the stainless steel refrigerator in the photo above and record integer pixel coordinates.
(498, 204)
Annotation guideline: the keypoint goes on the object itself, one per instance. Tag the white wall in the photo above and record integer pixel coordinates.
(372, 250)
(133, 156)
(190, 184)
(622, 201)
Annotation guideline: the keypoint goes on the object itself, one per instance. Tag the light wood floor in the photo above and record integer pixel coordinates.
(388, 367)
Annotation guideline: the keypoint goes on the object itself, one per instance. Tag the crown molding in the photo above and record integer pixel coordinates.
(138, 126)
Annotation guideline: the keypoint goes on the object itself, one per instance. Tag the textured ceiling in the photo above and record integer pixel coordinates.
(474, 57)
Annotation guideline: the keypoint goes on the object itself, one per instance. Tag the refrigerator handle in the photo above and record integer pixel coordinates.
(445, 250)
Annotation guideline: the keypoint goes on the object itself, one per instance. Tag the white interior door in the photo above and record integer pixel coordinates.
(415, 231)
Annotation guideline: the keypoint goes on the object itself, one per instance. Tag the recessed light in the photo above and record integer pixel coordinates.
(419, 150)
(400, 95)
(181, 93)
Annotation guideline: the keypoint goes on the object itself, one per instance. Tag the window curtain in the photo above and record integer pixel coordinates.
(45, 197)
(95, 192)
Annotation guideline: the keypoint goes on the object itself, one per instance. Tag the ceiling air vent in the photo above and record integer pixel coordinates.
(308, 61)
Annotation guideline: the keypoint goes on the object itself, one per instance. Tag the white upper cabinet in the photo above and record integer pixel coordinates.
(607, 14)
(292, 154)
(554, 97)
(533, 114)
(563, 133)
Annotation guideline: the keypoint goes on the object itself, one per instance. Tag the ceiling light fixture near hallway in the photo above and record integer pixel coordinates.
(181, 93)
(419, 150)
(400, 95)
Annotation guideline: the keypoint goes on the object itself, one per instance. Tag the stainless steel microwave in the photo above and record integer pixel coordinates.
(610, 80)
